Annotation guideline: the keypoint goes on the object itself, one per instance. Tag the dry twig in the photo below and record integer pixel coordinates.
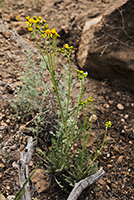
(81, 185)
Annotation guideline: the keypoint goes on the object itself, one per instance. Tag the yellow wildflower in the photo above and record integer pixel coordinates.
(43, 22)
(53, 30)
(39, 17)
(37, 27)
(38, 21)
(27, 17)
(90, 99)
(66, 46)
(48, 31)
(30, 29)
(34, 17)
(31, 21)
(108, 124)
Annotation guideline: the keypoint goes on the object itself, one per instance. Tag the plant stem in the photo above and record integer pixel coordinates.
(90, 127)
(76, 115)
(41, 52)
(98, 152)
(83, 142)
(69, 78)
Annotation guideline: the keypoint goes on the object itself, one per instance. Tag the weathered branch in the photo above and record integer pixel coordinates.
(81, 185)
(23, 167)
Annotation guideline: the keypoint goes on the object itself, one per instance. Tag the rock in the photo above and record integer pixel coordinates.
(120, 106)
(40, 180)
(2, 197)
(14, 147)
(106, 105)
(94, 118)
(5, 17)
(119, 160)
(10, 197)
(7, 34)
(1, 136)
(20, 27)
(104, 51)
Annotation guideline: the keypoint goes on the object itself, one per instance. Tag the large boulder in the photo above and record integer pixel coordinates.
(106, 50)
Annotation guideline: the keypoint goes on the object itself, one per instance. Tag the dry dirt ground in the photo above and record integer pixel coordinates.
(117, 158)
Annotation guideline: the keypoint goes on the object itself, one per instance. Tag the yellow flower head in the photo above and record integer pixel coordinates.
(108, 124)
(43, 22)
(39, 17)
(37, 27)
(30, 29)
(38, 21)
(34, 17)
(31, 21)
(81, 72)
(53, 30)
(90, 99)
(48, 32)
(66, 46)
(27, 17)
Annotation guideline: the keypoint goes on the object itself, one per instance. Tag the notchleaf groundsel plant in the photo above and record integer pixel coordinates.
(63, 161)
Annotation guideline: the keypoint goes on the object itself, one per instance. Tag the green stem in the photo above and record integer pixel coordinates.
(98, 152)
(69, 78)
(90, 127)
(41, 52)
(76, 115)
(83, 142)
(62, 114)
(47, 54)
(51, 59)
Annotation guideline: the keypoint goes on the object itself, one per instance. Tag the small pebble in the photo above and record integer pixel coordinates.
(3, 124)
(94, 118)
(122, 131)
(120, 106)
(1, 136)
(126, 116)
(110, 102)
(106, 105)
(118, 93)
(14, 165)
(119, 160)
(108, 155)
(10, 197)
(123, 120)
(8, 121)
(14, 147)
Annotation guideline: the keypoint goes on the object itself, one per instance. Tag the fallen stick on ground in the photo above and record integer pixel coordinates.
(23, 167)
(81, 185)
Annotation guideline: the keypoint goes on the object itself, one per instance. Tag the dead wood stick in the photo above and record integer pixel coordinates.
(81, 185)
(23, 167)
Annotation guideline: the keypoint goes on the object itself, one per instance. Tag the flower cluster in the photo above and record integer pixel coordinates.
(83, 104)
(67, 50)
(41, 26)
(108, 124)
(81, 74)
(90, 99)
